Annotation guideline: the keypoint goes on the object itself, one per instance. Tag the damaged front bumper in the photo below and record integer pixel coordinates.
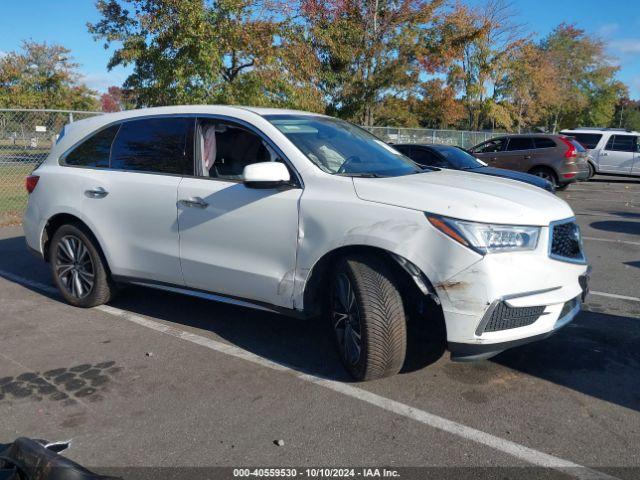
(506, 300)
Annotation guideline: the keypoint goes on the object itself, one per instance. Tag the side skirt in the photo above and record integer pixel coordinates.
(238, 301)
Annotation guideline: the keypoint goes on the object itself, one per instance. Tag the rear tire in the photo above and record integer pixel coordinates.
(592, 171)
(368, 317)
(79, 269)
(547, 174)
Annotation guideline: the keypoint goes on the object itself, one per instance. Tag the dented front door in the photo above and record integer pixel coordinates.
(238, 241)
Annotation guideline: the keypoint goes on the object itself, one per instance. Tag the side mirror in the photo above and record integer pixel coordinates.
(266, 175)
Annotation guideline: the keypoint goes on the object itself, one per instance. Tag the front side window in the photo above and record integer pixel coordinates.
(155, 145)
(492, 146)
(93, 152)
(226, 148)
(341, 148)
(520, 143)
(622, 143)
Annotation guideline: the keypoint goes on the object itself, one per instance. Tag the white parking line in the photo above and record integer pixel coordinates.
(614, 295)
(612, 240)
(530, 455)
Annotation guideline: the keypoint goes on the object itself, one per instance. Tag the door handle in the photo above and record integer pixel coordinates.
(97, 192)
(193, 202)
(493, 158)
(604, 154)
(527, 157)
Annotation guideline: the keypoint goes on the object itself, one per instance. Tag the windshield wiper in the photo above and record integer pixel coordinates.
(360, 174)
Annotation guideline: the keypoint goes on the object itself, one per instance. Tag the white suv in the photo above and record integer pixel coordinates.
(613, 150)
(308, 215)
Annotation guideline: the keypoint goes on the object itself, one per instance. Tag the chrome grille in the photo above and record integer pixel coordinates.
(565, 242)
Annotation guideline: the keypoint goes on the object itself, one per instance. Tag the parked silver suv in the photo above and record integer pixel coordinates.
(613, 150)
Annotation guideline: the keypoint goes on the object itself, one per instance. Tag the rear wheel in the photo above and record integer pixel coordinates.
(368, 317)
(592, 171)
(78, 268)
(548, 175)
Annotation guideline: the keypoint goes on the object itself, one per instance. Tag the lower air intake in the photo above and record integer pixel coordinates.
(504, 317)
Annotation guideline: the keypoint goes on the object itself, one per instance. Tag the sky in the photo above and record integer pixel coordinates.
(64, 22)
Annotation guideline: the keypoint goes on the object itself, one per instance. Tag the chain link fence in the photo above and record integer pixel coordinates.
(26, 136)
(461, 138)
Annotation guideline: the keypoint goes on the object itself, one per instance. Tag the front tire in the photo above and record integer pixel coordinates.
(78, 268)
(368, 317)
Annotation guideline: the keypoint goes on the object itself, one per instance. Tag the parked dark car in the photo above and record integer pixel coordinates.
(456, 158)
(556, 158)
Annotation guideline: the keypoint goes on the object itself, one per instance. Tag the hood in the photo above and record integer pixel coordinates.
(467, 196)
(513, 175)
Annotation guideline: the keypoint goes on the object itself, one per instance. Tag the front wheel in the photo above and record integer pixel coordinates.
(368, 317)
(78, 268)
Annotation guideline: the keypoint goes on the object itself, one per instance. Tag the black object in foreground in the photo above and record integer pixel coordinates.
(27, 459)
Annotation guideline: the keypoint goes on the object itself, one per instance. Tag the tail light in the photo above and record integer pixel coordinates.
(571, 152)
(31, 182)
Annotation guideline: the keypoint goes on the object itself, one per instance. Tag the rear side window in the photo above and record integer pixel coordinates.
(93, 152)
(543, 142)
(587, 140)
(622, 143)
(520, 143)
(155, 145)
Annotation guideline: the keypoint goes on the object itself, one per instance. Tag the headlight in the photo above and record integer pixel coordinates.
(485, 237)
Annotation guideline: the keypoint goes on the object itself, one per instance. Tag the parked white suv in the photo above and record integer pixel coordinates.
(302, 213)
(613, 150)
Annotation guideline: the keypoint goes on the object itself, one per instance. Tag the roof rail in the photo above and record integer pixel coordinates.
(608, 129)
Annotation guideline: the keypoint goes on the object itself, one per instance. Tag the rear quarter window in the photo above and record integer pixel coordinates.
(587, 140)
(94, 151)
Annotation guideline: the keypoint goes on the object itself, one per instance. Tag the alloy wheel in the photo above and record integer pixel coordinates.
(74, 267)
(346, 319)
(545, 175)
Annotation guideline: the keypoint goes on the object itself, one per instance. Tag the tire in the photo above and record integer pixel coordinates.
(79, 269)
(374, 312)
(562, 187)
(592, 171)
(547, 174)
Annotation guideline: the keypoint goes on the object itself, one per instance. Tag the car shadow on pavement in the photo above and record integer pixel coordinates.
(305, 345)
(617, 226)
(605, 179)
(597, 354)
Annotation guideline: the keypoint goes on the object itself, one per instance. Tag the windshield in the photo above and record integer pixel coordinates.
(341, 148)
(458, 158)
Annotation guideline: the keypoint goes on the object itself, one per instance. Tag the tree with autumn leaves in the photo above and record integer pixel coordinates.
(414, 63)
(42, 75)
